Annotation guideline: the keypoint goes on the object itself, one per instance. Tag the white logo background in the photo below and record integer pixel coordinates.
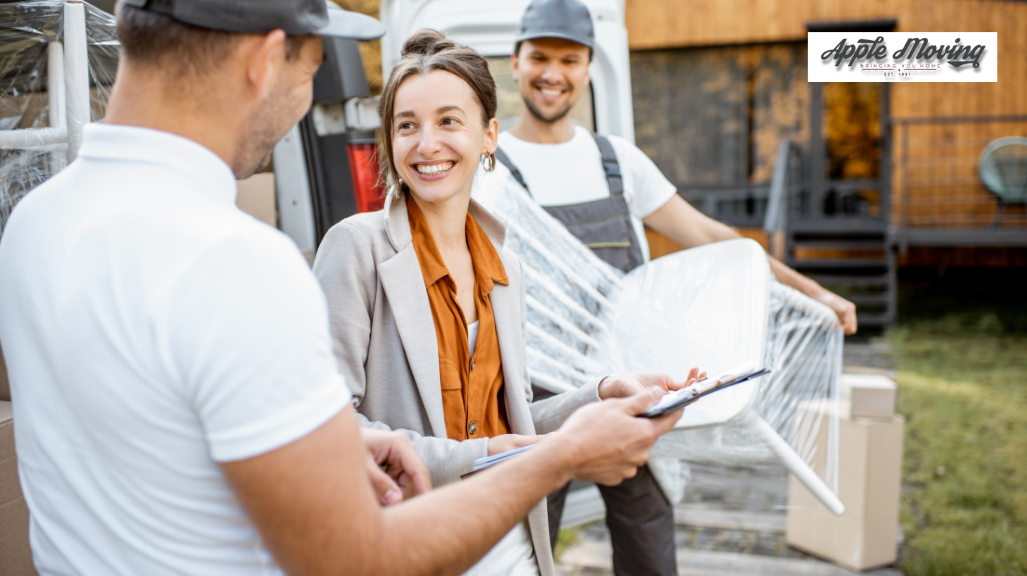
(955, 64)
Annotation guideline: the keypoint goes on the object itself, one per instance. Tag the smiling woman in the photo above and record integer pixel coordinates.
(426, 302)
(427, 305)
(455, 77)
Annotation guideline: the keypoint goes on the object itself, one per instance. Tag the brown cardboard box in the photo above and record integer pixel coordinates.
(15, 554)
(256, 197)
(867, 396)
(869, 479)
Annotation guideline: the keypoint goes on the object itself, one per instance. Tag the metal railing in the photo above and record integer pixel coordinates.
(940, 197)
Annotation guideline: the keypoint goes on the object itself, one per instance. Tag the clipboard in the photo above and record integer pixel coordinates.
(679, 398)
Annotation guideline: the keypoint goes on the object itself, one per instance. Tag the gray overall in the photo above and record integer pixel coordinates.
(640, 519)
(603, 225)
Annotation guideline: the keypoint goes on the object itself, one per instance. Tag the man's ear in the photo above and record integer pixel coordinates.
(514, 61)
(265, 57)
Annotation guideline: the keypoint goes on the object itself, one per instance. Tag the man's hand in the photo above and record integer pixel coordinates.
(507, 442)
(631, 384)
(395, 470)
(609, 441)
(846, 310)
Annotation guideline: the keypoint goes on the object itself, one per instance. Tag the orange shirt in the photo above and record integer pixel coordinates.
(472, 387)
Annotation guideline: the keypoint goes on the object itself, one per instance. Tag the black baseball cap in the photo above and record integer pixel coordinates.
(567, 19)
(294, 17)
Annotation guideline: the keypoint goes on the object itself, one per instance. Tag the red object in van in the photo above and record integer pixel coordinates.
(363, 165)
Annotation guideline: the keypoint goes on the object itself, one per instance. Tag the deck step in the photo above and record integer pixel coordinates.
(850, 280)
(872, 319)
(597, 556)
(729, 519)
(840, 244)
(864, 299)
(838, 264)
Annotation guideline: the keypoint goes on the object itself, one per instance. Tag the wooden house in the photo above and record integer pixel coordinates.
(885, 175)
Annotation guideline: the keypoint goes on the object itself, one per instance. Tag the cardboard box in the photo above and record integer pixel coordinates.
(256, 197)
(867, 396)
(869, 480)
(15, 554)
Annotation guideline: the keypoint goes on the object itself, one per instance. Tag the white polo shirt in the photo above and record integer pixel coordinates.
(572, 173)
(151, 330)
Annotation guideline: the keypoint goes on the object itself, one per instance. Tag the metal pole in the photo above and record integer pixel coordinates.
(55, 86)
(76, 74)
(773, 223)
(796, 465)
(56, 101)
(904, 200)
(817, 152)
(31, 137)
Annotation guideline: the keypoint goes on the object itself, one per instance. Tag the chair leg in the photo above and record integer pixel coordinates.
(998, 214)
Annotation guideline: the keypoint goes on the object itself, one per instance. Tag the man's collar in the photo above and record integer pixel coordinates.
(144, 145)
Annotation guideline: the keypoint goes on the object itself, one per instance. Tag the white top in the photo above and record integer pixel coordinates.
(572, 173)
(151, 330)
(514, 555)
(472, 336)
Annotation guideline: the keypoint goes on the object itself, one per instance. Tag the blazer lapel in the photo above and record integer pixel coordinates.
(506, 311)
(404, 287)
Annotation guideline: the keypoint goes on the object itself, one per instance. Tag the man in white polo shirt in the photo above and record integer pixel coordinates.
(177, 405)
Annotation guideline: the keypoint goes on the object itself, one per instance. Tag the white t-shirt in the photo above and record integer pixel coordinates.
(152, 330)
(572, 173)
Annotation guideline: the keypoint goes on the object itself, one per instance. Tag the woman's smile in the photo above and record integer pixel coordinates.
(434, 171)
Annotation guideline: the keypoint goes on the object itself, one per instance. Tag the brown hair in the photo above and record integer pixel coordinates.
(426, 51)
(154, 39)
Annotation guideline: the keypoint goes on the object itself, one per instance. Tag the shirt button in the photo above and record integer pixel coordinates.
(472, 365)
(472, 428)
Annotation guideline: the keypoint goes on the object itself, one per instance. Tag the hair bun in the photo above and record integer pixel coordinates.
(426, 42)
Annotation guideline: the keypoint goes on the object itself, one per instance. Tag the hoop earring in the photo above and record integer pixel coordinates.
(489, 162)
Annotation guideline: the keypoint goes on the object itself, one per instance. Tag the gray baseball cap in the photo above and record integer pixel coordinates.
(567, 19)
(294, 17)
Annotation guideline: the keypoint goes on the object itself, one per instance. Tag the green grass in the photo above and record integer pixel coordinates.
(565, 539)
(962, 379)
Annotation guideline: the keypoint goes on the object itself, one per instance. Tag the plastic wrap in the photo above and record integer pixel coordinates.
(48, 89)
(713, 307)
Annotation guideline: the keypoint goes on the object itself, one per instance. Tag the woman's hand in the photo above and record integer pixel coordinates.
(507, 442)
(631, 384)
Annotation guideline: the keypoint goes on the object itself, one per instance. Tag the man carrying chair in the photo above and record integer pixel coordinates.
(604, 189)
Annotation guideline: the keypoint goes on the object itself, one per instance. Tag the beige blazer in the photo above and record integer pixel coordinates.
(385, 343)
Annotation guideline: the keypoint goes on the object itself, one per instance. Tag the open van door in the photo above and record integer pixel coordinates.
(490, 27)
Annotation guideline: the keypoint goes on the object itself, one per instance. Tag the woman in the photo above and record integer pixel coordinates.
(427, 307)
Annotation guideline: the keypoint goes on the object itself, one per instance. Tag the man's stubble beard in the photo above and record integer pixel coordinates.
(258, 142)
(547, 119)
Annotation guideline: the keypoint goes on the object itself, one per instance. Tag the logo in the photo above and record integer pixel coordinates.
(903, 57)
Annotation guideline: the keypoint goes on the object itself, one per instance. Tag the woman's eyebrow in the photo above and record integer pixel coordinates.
(440, 110)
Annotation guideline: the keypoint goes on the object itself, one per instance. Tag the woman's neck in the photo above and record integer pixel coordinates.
(447, 221)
